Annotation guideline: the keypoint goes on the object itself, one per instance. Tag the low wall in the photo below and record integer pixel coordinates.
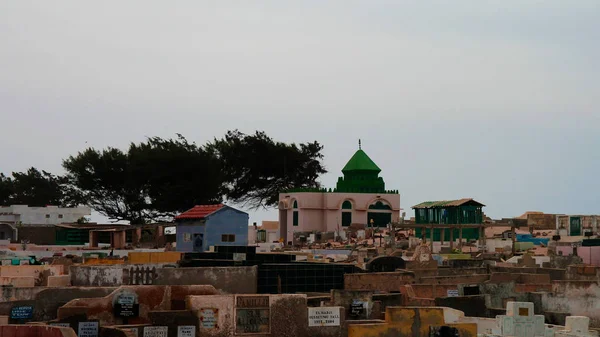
(468, 279)
(35, 331)
(39, 272)
(112, 275)
(46, 301)
(555, 273)
(229, 280)
(17, 281)
(153, 257)
(377, 281)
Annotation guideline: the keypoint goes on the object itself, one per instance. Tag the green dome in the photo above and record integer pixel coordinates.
(361, 162)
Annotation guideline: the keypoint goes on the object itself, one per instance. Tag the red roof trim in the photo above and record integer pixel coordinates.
(199, 211)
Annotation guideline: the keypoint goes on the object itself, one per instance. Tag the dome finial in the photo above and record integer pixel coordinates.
(359, 144)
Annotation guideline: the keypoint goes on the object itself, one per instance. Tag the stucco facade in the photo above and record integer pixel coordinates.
(220, 226)
(359, 197)
(49, 215)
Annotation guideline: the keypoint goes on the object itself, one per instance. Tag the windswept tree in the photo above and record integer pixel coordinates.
(6, 188)
(257, 168)
(33, 188)
(154, 180)
(159, 178)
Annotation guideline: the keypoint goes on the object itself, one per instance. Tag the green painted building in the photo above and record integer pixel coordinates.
(449, 212)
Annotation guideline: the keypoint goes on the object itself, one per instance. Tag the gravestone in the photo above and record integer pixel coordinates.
(209, 318)
(156, 331)
(87, 329)
(21, 313)
(324, 316)
(186, 331)
(125, 305)
(252, 315)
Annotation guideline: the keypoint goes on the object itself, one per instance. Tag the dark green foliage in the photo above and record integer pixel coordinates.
(160, 178)
(256, 168)
(33, 188)
(6, 189)
(153, 180)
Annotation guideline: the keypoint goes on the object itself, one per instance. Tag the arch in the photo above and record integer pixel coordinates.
(295, 204)
(347, 204)
(379, 213)
(380, 205)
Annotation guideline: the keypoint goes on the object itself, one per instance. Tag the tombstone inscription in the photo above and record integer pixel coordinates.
(21, 312)
(87, 329)
(125, 305)
(252, 314)
(324, 316)
(186, 331)
(209, 318)
(156, 331)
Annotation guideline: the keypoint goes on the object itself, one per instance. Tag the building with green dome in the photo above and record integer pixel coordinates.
(359, 197)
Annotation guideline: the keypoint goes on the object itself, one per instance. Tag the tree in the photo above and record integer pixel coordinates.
(35, 188)
(6, 189)
(160, 178)
(256, 168)
(154, 180)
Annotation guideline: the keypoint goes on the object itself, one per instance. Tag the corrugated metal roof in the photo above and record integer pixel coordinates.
(446, 203)
(199, 212)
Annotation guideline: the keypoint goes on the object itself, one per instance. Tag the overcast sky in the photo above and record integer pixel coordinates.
(495, 100)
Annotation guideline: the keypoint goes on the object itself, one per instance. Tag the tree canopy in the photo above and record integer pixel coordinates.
(257, 168)
(33, 188)
(159, 178)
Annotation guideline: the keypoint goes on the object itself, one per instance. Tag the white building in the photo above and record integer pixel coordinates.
(49, 215)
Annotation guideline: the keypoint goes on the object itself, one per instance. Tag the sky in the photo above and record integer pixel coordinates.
(494, 100)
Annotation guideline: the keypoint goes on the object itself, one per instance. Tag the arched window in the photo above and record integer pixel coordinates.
(346, 213)
(295, 213)
(380, 205)
(379, 214)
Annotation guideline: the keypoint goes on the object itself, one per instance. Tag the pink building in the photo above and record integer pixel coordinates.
(360, 197)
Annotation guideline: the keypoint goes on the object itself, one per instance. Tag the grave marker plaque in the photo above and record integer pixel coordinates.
(252, 315)
(186, 331)
(209, 318)
(126, 305)
(21, 312)
(452, 293)
(324, 316)
(87, 329)
(156, 331)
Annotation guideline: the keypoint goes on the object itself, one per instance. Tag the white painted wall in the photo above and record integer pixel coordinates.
(49, 215)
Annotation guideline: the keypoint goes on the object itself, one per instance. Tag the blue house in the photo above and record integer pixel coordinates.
(211, 225)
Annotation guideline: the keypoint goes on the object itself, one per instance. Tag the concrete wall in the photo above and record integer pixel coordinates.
(105, 275)
(40, 272)
(228, 280)
(578, 301)
(153, 257)
(377, 281)
(413, 322)
(40, 235)
(46, 301)
(35, 331)
(150, 298)
(17, 281)
(288, 315)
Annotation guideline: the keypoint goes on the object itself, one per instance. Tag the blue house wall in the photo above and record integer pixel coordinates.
(227, 220)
